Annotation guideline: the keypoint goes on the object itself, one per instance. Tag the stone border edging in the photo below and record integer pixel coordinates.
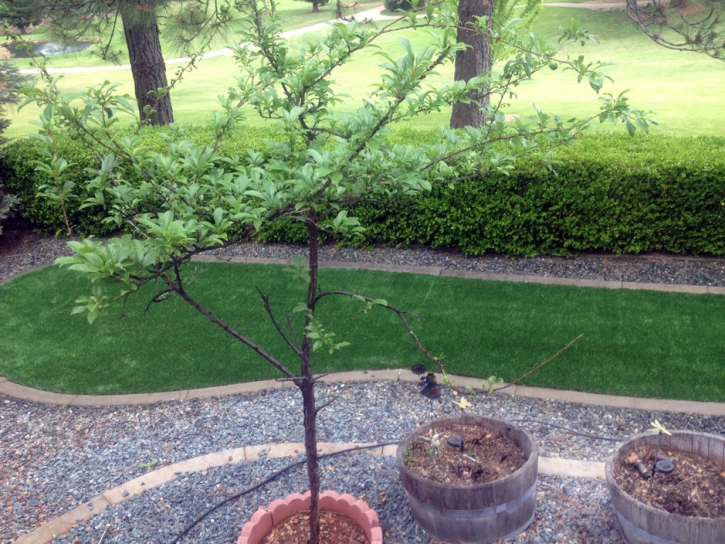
(12, 389)
(83, 513)
(490, 276)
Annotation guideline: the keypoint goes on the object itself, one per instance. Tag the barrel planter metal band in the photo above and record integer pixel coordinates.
(474, 513)
(642, 524)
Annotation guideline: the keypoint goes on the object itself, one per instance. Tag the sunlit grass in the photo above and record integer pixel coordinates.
(683, 89)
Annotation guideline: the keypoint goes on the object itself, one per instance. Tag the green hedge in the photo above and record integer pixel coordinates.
(609, 192)
(17, 170)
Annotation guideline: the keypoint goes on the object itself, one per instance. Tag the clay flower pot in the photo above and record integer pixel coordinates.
(642, 524)
(474, 513)
(278, 511)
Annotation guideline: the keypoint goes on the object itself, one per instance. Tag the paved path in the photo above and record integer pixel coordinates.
(374, 14)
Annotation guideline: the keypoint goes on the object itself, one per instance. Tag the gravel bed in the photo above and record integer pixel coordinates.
(55, 458)
(650, 268)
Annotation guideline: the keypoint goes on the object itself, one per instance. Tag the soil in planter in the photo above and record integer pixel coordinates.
(489, 455)
(695, 488)
(334, 529)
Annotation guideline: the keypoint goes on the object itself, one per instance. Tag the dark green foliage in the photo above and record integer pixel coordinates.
(17, 168)
(10, 81)
(22, 13)
(609, 193)
(404, 5)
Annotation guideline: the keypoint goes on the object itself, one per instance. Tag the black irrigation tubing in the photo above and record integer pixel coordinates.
(357, 448)
(269, 479)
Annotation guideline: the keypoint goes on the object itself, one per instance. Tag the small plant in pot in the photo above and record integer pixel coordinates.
(669, 487)
(189, 199)
(471, 478)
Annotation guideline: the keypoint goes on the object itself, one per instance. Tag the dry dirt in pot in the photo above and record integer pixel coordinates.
(695, 488)
(489, 455)
(334, 529)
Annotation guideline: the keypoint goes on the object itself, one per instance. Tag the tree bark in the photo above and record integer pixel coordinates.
(307, 387)
(474, 61)
(315, 7)
(148, 67)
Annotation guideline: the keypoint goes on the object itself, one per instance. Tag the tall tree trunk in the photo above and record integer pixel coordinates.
(315, 7)
(307, 387)
(147, 67)
(474, 61)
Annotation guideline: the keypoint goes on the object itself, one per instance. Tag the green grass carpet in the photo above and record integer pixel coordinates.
(640, 343)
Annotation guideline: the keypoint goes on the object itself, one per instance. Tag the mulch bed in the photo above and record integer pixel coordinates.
(695, 488)
(487, 456)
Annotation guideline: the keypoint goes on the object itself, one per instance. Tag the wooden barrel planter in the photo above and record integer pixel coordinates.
(479, 512)
(642, 524)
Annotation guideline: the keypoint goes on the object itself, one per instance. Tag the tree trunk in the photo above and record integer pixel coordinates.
(147, 67)
(315, 7)
(307, 387)
(474, 61)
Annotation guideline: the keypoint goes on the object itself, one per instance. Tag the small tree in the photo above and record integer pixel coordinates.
(22, 13)
(190, 26)
(702, 31)
(193, 200)
(316, 4)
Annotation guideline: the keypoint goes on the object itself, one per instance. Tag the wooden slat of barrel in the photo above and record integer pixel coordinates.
(642, 524)
(478, 513)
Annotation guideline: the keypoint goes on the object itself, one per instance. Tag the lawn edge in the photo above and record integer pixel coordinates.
(22, 392)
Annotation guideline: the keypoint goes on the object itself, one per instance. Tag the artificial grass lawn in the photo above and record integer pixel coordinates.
(683, 89)
(643, 343)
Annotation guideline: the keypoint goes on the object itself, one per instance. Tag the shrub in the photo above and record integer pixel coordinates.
(609, 192)
(404, 5)
(17, 168)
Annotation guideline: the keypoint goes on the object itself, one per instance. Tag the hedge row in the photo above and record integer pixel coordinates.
(609, 192)
(17, 170)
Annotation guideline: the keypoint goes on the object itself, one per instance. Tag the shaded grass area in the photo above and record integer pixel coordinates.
(642, 343)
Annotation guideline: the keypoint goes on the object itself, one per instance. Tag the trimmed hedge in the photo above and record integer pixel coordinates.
(17, 170)
(609, 192)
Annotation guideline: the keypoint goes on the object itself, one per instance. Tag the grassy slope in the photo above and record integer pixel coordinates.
(683, 89)
(636, 342)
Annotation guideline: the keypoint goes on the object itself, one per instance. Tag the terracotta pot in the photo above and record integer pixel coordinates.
(474, 513)
(642, 524)
(263, 521)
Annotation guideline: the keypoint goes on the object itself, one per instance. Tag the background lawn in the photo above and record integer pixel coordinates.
(684, 89)
(640, 343)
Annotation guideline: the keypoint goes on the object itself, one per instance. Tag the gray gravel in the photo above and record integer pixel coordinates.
(650, 268)
(56, 458)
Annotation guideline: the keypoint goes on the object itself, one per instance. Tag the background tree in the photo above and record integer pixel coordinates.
(481, 52)
(22, 13)
(701, 30)
(316, 4)
(191, 26)
(193, 200)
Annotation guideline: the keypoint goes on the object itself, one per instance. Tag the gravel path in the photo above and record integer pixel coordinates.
(42, 251)
(56, 458)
